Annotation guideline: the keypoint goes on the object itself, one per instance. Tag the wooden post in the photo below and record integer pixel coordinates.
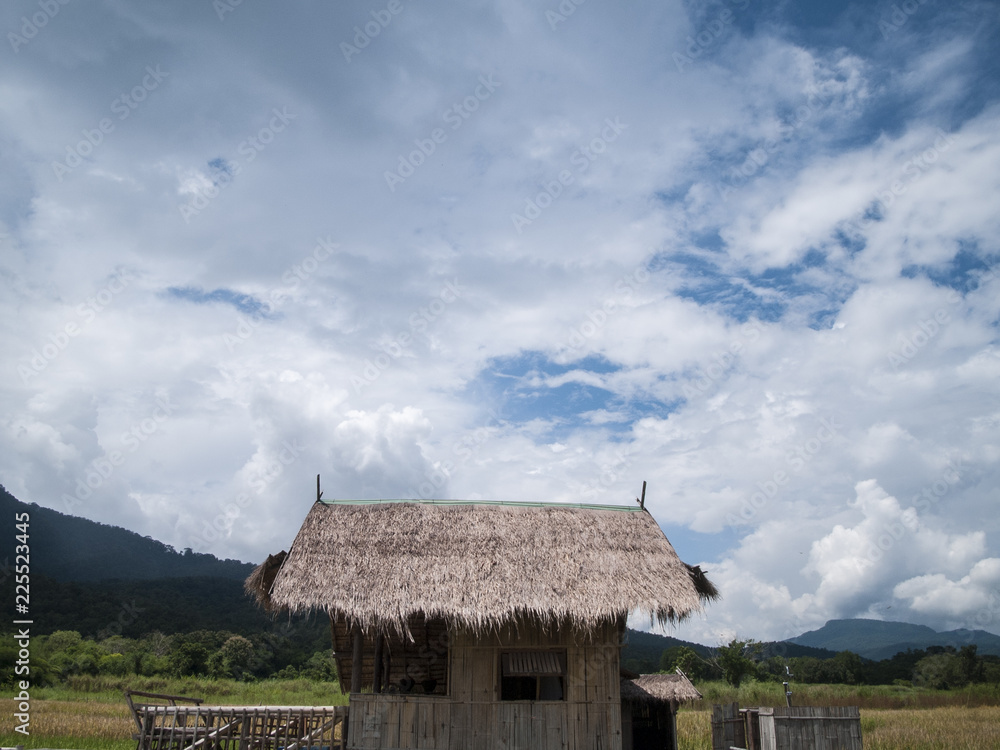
(319, 494)
(377, 677)
(356, 661)
(642, 501)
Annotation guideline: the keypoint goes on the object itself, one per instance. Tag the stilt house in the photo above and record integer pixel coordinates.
(480, 625)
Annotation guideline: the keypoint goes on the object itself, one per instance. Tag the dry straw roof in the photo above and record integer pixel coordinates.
(659, 688)
(479, 565)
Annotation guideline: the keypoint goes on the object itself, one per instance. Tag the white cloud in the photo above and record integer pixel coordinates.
(762, 350)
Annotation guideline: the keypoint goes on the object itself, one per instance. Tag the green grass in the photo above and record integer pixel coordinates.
(102, 689)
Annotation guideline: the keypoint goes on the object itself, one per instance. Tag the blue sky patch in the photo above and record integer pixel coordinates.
(961, 273)
(245, 303)
(530, 386)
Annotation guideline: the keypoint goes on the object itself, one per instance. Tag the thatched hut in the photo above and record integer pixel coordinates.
(649, 710)
(480, 625)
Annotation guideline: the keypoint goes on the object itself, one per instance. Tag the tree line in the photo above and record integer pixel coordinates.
(289, 652)
(940, 667)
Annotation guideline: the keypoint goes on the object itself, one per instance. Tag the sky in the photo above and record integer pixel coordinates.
(744, 251)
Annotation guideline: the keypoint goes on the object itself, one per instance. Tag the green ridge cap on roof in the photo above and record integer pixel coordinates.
(625, 508)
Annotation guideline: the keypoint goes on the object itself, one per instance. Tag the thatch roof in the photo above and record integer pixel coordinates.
(659, 688)
(479, 565)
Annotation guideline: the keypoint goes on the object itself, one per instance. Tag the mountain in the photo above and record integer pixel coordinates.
(68, 548)
(878, 639)
(99, 580)
(642, 651)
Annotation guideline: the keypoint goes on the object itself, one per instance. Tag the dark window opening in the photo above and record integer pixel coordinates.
(532, 675)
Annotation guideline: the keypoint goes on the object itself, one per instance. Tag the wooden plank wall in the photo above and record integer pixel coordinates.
(727, 727)
(822, 728)
(399, 721)
(472, 717)
(589, 718)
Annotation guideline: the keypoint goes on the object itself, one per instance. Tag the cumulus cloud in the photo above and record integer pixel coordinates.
(764, 281)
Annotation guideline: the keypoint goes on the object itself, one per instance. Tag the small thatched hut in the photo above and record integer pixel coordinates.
(480, 625)
(649, 710)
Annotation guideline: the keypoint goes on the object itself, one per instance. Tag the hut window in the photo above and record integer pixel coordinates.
(532, 675)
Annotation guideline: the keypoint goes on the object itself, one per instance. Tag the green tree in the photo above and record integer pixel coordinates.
(320, 666)
(971, 664)
(683, 658)
(846, 668)
(940, 671)
(234, 659)
(738, 660)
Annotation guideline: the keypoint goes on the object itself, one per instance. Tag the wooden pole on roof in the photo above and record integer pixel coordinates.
(642, 501)
(319, 494)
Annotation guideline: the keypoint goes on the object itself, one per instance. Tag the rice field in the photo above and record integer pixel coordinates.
(90, 713)
(944, 728)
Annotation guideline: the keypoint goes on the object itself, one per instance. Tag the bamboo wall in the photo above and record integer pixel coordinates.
(473, 717)
(786, 728)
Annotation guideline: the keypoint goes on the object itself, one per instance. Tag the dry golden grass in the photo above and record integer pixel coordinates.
(949, 728)
(71, 724)
(694, 730)
(107, 726)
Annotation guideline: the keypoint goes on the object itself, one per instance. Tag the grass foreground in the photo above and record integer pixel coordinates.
(89, 713)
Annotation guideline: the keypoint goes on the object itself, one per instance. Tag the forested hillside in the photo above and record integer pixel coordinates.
(68, 548)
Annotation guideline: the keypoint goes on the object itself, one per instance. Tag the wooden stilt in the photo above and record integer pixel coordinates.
(356, 662)
(377, 671)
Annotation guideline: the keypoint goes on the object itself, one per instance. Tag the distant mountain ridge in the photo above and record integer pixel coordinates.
(882, 639)
(99, 580)
(642, 651)
(69, 548)
(87, 572)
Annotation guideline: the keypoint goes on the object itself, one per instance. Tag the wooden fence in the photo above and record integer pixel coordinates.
(786, 728)
(199, 727)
